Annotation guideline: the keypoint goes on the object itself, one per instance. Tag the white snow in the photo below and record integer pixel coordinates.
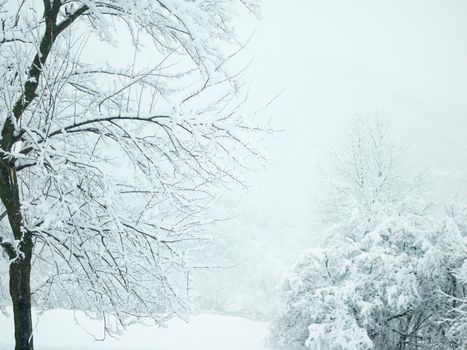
(57, 329)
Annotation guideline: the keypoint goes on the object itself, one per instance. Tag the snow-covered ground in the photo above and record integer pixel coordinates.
(58, 330)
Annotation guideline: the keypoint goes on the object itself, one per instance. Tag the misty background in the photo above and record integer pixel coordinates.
(315, 65)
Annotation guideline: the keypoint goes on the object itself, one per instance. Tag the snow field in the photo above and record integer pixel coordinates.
(57, 329)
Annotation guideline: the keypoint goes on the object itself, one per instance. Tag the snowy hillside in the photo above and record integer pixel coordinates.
(58, 330)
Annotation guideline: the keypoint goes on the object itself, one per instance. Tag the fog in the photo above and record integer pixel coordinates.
(319, 64)
(335, 59)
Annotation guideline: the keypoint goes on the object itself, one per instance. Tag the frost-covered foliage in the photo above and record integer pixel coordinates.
(374, 286)
(456, 250)
(384, 280)
(105, 168)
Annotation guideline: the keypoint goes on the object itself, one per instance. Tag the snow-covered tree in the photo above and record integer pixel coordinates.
(382, 279)
(106, 167)
(455, 248)
(373, 287)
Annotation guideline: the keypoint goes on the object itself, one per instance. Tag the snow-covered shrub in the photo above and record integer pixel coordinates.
(456, 250)
(376, 285)
(383, 280)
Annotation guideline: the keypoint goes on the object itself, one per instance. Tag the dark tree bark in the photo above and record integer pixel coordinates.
(20, 291)
(21, 254)
(20, 259)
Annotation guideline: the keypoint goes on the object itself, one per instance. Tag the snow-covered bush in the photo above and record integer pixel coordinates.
(456, 250)
(376, 285)
(384, 280)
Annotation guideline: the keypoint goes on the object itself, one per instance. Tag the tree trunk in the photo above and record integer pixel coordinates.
(20, 259)
(20, 256)
(20, 291)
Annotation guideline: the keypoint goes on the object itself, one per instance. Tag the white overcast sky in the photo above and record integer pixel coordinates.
(338, 58)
